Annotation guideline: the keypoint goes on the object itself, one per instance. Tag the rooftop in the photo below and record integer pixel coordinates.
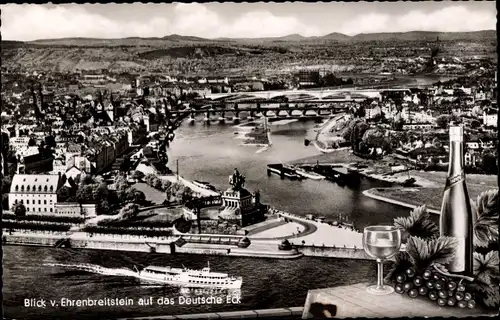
(34, 183)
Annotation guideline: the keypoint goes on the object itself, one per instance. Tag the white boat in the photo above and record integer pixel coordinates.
(309, 174)
(204, 185)
(184, 277)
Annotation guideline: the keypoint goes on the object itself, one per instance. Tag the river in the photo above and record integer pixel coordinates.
(207, 153)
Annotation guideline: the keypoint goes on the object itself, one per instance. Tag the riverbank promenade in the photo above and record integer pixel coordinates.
(325, 234)
(202, 191)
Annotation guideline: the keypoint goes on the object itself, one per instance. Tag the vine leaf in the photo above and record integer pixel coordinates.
(485, 215)
(418, 224)
(486, 266)
(492, 299)
(425, 252)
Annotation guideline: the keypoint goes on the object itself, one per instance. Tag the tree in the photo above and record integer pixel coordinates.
(149, 179)
(138, 175)
(31, 142)
(166, 185)
(63, 194)
(489, 163)
(357, 134)
(85, 193)
(129, 211)
(19, 209)
(125, 165)
(135, 196)
(121, 182)
(50, 141)
(157, 183)
(374, 138)
(475, 124)
(443, 121)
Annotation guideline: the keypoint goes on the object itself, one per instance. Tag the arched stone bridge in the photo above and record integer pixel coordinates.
(264, 108)
(299, 94)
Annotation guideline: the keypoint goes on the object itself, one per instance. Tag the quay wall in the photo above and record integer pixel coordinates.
(333, 252)
(50, 240)
(31, 240)
(121, 246)
(147, 245)
(210, 251)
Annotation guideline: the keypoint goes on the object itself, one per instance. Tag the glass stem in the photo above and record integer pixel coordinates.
(380, 275)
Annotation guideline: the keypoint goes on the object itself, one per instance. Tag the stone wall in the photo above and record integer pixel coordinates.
(212, 251)
(122, 246)
(333, 252)
(28, 240)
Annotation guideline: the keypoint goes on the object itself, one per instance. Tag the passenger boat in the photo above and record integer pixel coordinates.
(204, 185)
(309, 174)
(184, 277)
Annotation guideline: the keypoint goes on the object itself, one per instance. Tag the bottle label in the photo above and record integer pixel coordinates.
(458, 262)
(453, 180)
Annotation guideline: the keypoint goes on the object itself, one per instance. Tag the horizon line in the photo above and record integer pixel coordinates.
(249, 38)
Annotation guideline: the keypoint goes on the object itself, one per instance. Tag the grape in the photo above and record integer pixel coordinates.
(439, 285)
(423, 291)
(467, 296)
(460, 296)
(408, 286)
(427, 274)
(460, 287)
(433, 295)
(442, 302)
(452, 285)
(430, 284)
(410, 272)
(401, 278)
(443, 279)
(413, 293)
(452, 301)
(436, 277)
(451, 293)
(399, 288)
(443, 294)
(471, 304)
(418, 281)
(462, 304)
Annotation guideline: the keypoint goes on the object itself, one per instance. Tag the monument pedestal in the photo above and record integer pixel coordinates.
(354, 302)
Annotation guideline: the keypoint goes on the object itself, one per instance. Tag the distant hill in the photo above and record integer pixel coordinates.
(335, 36)
(9, 44)
(291, 37)
(425, 35)
(176, 37)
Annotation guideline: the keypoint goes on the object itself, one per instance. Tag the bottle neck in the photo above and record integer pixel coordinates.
(456, 158)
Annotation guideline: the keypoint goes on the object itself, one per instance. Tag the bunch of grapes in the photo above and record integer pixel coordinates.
(437, 287)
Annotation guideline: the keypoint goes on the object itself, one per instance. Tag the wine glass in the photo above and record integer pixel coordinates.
(381, 243)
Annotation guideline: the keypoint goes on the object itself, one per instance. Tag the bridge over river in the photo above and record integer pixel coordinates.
(286, 104)
(263, 108)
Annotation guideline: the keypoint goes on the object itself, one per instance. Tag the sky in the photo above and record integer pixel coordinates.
(241, 20)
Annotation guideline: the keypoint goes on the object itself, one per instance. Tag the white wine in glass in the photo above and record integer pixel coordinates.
(381, 243)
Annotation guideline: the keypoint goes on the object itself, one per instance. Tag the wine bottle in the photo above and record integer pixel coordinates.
(456, 213)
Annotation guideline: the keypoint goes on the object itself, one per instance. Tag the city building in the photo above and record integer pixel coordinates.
(37, 192)
(74, 209)
(307, 78)
(490, 117)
